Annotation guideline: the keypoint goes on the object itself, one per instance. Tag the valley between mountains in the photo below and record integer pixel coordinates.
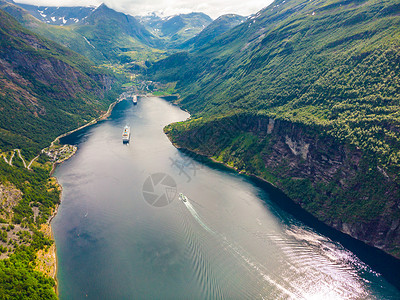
(302, 94)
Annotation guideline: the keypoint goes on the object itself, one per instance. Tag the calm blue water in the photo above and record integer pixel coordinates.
(123, 233)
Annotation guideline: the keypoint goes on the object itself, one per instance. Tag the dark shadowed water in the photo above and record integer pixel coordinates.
(123, 233)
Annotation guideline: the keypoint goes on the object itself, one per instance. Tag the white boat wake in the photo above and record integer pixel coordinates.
(236, 251)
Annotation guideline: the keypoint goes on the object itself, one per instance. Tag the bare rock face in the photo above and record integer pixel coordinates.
(338, 183)
(106, 81)
(9, 197)
(297, 147)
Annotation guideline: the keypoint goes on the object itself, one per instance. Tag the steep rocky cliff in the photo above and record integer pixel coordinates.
(336, 182)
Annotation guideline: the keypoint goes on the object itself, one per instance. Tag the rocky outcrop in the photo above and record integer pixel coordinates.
(9, 197)
(105, 80)
(336, 182)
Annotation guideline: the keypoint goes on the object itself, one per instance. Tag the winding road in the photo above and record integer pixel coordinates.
(20, 156)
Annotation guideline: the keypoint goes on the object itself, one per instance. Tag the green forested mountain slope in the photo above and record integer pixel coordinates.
(116, 35)
(113, 23)
(45, 89)
(310, 90)
(331, 64)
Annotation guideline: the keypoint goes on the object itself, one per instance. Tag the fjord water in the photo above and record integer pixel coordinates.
(115, 240)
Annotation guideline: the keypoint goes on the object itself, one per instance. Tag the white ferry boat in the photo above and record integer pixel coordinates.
(182, 197)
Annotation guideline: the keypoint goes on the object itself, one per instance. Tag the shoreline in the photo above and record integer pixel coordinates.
(193, 155)
(94, 121)
(55, 164)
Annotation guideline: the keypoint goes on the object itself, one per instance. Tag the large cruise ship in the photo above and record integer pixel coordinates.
(126, 134)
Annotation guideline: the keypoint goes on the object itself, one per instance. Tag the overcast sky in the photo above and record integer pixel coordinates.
(213, 8)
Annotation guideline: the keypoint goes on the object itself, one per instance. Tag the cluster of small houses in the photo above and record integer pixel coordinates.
(58, 154)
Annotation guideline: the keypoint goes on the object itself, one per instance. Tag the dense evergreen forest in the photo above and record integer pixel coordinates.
(18, 277)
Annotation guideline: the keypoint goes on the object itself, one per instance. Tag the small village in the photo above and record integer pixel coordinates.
(58, 153)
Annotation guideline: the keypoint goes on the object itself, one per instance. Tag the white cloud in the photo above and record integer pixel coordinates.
(213, 8)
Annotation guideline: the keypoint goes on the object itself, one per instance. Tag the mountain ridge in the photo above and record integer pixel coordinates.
(214, 29)
(104, 35)
(151, 30)
(176, 29)
(56, 15)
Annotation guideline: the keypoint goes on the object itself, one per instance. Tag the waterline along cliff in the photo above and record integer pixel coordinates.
(334, 181)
